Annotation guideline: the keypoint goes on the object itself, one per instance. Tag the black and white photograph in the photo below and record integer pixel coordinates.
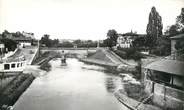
(91, 54)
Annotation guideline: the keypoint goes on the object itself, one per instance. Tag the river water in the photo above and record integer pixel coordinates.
(77, 86)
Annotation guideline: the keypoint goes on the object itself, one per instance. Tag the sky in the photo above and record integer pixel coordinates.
(83, 19)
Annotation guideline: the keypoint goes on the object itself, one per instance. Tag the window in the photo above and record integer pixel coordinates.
(13, 65)
(163, 77)
(178, 82)
(6, 66)
(18, 64)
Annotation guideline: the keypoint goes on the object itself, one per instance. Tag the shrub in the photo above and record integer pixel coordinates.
(129, 53)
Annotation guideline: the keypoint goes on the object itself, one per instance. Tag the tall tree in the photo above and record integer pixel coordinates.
(111, 38)
(180, 21)
(154, 27)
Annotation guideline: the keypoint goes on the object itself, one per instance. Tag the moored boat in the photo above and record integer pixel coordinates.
(13, 65)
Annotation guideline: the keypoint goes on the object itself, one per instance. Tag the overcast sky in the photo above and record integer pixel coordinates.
(84, 19)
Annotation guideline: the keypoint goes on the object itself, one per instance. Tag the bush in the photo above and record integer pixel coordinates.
(129, 53)
(10, 44)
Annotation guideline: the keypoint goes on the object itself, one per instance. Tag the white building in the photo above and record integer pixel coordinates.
(23, 41)
(26, 34)
(124, 41)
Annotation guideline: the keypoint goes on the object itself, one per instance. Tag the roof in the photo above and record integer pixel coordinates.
(168, 66)
(22, 38)
(179, 36)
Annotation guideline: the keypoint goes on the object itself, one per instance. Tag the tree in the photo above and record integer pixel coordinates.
(9, 44)
(5, 33)
(46, 40)
(180, 21)
(178, 27)
(139, 42)
(78, 41)
(171, 30)
(111, 38)
(154, 28)
(66, 44)
(55, 42)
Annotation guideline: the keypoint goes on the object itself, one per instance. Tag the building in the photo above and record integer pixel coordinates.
(174, 40)
(2, 46)
(26, 34)
(125, 40)
(23, 41)
(165, 79)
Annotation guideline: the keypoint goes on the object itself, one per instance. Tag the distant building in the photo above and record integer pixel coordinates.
(74, 45)
(26, 34)
(23, 41)
(174, 39)
(125, 40)
(2, 46)
(165, 80)
(65, 40)
(9, 35)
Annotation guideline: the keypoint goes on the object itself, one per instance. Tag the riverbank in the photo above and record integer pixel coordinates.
(10, 94)
(109, 59)
(133, 95)
(14, 86)
(134, 104)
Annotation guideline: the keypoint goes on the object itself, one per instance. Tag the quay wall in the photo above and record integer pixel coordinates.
(35, 56)
(164, 96)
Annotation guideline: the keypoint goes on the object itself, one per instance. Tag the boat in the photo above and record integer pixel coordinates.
(63, 62)
(13, 65)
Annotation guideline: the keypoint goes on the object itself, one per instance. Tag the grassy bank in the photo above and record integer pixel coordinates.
(15, 88)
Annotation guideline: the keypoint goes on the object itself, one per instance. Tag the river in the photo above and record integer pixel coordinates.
(77, 86)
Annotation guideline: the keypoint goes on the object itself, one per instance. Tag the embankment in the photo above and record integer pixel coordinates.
(44, 58)
(107, 58)
(10, 93)
(15, 88)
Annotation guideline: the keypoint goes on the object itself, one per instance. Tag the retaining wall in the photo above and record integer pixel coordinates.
(166, 97)
(36, 55)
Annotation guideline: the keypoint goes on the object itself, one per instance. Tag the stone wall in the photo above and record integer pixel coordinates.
(36, 55)
(164, 96)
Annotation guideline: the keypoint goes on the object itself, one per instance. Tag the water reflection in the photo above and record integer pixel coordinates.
(76, 86)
